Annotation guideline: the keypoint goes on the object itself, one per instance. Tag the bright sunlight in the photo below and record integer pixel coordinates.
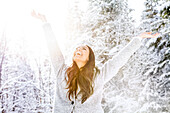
(18, 24)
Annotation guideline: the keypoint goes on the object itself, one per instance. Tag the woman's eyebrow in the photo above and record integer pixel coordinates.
(83, 47)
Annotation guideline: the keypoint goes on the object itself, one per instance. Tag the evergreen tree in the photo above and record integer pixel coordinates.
(104, 27)
(156, 19)
(107, 27)
(24, 87)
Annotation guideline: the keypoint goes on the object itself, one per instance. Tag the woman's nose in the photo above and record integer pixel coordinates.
(78, 49)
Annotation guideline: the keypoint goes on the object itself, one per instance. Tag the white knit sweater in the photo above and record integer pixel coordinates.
(107, 71)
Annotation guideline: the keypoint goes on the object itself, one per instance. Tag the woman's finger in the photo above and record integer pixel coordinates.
(156, 35)
(39, 16)
(33, 13)
(149, 33)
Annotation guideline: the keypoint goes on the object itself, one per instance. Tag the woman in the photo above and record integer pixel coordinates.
(79, 87)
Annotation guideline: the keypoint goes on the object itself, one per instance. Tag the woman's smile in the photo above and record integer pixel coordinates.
(78, 53)
(81, 55)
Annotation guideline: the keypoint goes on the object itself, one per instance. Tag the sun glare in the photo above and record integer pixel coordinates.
(20, 26)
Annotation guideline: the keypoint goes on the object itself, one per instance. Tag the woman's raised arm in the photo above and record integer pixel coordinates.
(54, 50)
(56, 55)
(111, 67)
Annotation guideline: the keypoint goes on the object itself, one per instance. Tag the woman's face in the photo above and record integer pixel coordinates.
(81, 55)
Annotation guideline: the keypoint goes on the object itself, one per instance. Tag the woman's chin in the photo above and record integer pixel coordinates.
(77, 60)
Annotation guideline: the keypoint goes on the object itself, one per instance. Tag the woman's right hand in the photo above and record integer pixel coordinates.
(39, 16)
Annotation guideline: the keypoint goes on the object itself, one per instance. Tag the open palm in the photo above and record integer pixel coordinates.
(39, 16)
(149, 35)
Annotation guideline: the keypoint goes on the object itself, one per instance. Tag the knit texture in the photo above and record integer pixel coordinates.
(93, 104)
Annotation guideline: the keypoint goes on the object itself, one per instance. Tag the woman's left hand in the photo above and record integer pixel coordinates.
(39, 16)
(149, 35)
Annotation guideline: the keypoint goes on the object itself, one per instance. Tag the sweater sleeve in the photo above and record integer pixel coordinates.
(112, 66)
(56, 55)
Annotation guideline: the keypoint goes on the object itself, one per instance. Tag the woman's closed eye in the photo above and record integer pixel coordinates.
(84, 48)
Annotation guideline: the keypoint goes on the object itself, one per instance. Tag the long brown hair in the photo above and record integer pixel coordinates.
(82, 77)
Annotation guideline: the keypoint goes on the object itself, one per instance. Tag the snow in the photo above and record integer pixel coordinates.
(27, 77)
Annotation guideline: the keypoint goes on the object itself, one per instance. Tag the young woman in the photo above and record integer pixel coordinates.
(79, 88)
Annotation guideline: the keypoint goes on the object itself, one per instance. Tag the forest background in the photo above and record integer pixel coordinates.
(26, 74)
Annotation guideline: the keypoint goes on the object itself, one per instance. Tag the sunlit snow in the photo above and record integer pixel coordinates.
(27, 78)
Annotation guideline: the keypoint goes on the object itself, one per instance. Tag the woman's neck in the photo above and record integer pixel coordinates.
(80, 64)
